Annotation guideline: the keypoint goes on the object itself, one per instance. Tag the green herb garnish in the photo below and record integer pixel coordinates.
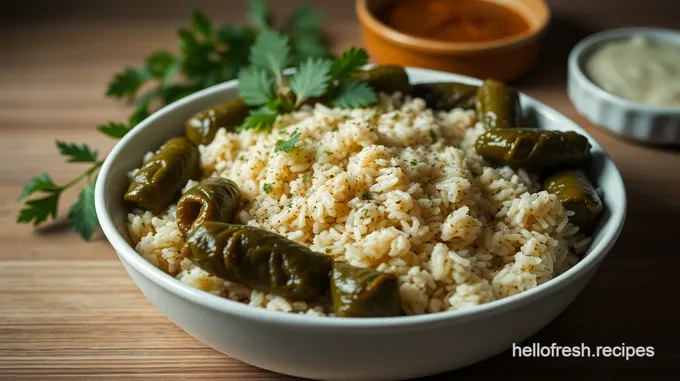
(267, 188)
(287, 145)
(259, 119)
(77, 154)
(259, 14)
(207, 55)
(349, 62)
(306, 177)
(270, 52)
(310, 80)
(352, 93)
(313, 78)
(113, 129)
(81, 214)
(39, 209)
(257, 86)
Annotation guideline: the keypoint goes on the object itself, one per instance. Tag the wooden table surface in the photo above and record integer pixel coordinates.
(69, 311)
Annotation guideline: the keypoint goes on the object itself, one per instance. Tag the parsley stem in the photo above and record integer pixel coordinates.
(279, 79)
(83, 175)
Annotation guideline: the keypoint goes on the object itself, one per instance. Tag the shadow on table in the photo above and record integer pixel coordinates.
(57, 226)
(551, 68)
(61, 225)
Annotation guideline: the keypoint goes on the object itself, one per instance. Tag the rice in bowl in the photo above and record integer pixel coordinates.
(396, 187)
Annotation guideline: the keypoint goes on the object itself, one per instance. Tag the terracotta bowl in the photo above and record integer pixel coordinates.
(504, 59)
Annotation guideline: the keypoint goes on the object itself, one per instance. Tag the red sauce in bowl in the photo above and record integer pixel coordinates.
(453, 20)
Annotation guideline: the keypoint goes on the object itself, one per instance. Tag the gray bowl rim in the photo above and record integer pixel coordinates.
(223, 305)
(583, 47)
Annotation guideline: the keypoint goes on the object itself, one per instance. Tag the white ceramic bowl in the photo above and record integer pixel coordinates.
(348, 349)
(628, 119)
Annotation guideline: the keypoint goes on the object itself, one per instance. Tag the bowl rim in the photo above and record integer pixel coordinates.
(576, 61)
(167, 282)
(368, 20)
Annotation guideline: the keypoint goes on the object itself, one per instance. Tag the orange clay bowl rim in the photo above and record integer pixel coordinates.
(426, 45)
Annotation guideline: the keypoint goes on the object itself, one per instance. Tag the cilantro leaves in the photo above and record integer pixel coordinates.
(41, 183)
(268, 57)
(287, 145)
(352, 93)
(82, 214)
(257, 55)
(201, 24)
(257, 86)
(159, 63)
(126, 83)
(314, 78)
(37, 211)
(113, 129)
(258, 14)
(306, 38)
(259, 119)
(304, 18)
(77, 154)
(270, 52)
(349, 62)
(207, 55)
(311, 79)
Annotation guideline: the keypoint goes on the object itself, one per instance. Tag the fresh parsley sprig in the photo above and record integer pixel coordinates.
(287, 145)
(349, 62)
(206, 55)
(263, 85)
(81, 215)
(259, 119)
(352, 93)
(311, 79)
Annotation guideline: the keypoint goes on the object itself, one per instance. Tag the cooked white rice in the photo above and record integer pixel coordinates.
(396, 187)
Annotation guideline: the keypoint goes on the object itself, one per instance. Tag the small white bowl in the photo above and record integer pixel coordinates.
(331, 348)
(628, 119)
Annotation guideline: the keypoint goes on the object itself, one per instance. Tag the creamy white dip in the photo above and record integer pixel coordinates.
(638, 69)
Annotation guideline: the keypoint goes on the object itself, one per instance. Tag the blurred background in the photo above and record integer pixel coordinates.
(75, 46)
